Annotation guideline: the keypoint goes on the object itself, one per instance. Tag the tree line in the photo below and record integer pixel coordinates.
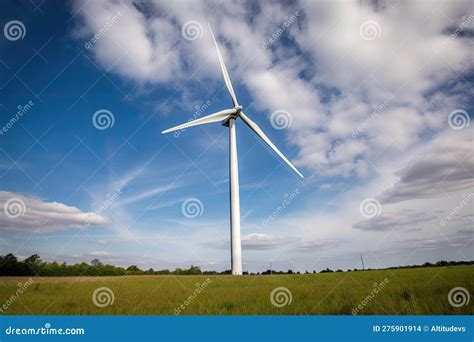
(10, 265)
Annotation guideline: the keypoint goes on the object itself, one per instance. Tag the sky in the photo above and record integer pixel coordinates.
(371, 100)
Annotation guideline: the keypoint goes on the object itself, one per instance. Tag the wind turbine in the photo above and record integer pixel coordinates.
(228, 118)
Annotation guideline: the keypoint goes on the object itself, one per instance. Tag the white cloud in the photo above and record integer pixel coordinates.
(317, 245)
(407, 61)
(256, 241)
(134, 46)
(99, 254)
(146, 194)
(395, 220)
(444, 165)
(31, 214)
(405, 153)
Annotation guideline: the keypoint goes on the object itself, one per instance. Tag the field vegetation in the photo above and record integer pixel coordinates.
(410, 291)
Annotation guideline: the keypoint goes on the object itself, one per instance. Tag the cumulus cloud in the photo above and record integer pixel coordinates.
(256, 241)
(359, 105)
(395, 220)
(330, 92)
(403, 63)
(444, 166)
(131, 44)
(435, 244)
(31, 214)
(307, 246)
(99, 254)
(262, 241)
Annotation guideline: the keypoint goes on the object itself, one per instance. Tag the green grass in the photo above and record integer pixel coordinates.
(421, 291)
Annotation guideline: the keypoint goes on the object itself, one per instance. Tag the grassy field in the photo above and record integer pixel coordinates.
(422, 291)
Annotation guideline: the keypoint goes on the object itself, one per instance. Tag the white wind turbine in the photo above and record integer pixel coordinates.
(227, 118)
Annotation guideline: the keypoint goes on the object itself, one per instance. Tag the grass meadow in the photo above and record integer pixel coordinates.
(417, 291)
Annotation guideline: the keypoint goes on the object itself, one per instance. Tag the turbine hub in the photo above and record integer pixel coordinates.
(234, 116)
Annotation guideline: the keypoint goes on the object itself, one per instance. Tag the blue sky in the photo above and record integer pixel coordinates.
(367, 95)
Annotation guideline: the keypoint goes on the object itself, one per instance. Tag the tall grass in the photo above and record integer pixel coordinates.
(421, 291)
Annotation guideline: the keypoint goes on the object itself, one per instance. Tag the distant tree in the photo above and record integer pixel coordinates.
(96, 262)
(134, 270)
(166, 271)
(10, 258)
(33, 265)
(193, 270)
(34, 259)
(10, 266)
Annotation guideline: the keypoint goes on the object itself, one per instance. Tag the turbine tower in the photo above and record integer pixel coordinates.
(228, 118)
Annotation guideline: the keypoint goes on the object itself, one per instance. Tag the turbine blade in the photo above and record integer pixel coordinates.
(219, 116)
(254, 127)
(224, 70)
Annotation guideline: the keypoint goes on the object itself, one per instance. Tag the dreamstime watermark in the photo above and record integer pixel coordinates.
(366, 123)
(459, 29)
(111, 198)
(288, 21)
(102, 297)
(103, 119)
(46, 330)
(458, 119)
(14, 208)
(370, 208)
(21, 110)
(377, 288)
(459, 296)
(192, 30)
(281, 119)
(192, 208)
(199, 110)
(370, 30)
(108, 24)
(457, 209)
(280, 297)
(21, 288)
(14, 30)
(287, 199)
(199, 288)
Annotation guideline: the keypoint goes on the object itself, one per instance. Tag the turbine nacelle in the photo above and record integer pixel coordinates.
(224, 116)
(238, 110)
